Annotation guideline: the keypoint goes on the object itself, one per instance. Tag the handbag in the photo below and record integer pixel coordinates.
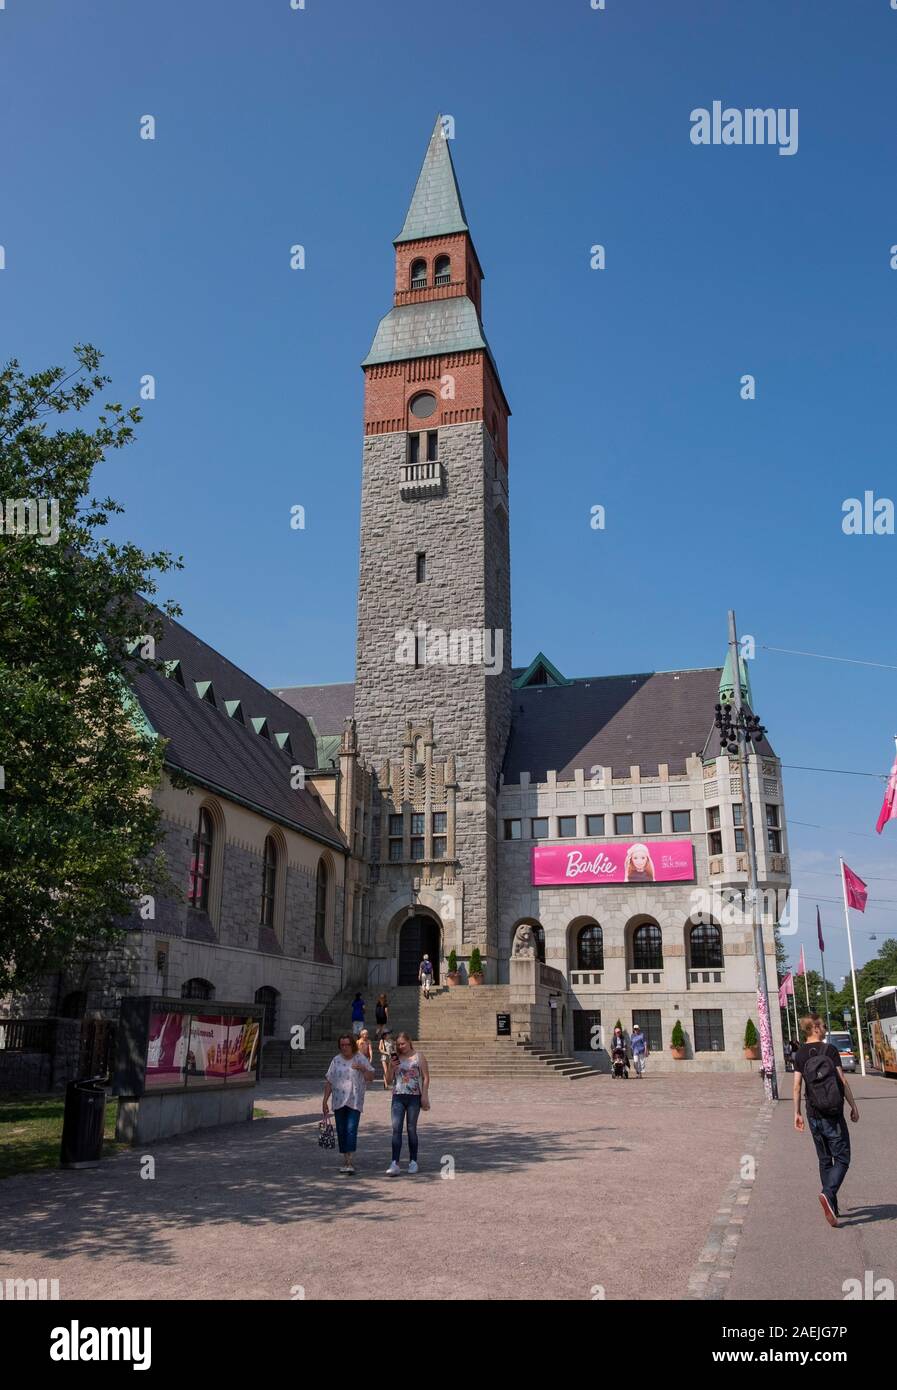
(326, 1134)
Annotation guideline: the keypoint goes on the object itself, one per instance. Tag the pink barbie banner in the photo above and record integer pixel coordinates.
(661, 861)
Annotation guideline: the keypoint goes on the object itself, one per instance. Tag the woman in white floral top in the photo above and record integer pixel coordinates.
(410, 1077)
(346, 1079)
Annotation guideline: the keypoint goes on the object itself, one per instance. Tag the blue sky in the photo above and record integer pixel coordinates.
(278, 126)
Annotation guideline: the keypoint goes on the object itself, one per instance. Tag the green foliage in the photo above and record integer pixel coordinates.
(475, 964)
(750, 1034)
(77, 826)
(677, 1038)
(453, 962)
(619, 1025)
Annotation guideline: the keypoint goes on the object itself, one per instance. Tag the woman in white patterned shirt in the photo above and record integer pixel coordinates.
(346, 1079)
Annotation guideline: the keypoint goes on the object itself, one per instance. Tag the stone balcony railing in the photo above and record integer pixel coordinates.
(421, 479)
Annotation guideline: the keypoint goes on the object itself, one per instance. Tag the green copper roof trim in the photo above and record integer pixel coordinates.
(327, 748)
(261, 727)
(173, 671)
(436, 208)
(204, 691)
(727, 684)
(428, 329)
(282, 740)
(234, 710)
(541, 660)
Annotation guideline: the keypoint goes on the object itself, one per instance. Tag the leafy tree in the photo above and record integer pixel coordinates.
(77, 825)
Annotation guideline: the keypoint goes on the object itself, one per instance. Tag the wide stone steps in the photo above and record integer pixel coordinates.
(448, 1058)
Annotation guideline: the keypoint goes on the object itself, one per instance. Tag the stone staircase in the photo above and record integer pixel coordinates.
(455, 1030)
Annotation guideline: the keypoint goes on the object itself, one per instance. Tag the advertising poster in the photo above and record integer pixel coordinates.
(221, 1050)
(661, 861)
(166, 1052)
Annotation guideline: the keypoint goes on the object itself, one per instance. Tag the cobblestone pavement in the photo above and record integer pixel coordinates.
(560, 1190)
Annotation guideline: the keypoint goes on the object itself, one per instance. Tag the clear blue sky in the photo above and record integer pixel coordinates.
(277, 126)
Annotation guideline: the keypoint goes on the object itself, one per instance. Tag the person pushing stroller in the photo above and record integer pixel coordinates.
(618, 1057)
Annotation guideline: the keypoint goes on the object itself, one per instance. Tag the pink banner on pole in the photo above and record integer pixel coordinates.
(661, 861)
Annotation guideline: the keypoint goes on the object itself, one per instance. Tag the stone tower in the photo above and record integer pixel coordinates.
(433, 680)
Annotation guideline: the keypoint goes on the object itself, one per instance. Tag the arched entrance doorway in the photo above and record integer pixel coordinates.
(418, 936)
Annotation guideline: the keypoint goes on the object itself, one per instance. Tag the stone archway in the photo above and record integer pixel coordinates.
(417, 934)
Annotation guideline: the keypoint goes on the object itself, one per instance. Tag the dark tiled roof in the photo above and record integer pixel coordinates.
(614, 721)
(208, 744)
(326, 706)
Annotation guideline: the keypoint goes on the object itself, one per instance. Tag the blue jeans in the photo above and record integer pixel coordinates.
(404, 1108)
(832, 1140)
(347, 1128)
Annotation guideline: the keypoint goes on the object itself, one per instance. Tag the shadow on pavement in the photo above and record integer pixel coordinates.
(269, 1172)
(862, 1216)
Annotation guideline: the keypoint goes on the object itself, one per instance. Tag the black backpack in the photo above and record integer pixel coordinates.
(821, 1081)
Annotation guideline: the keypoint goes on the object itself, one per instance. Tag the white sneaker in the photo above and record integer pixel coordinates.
(393, 1170)
(412, 1166)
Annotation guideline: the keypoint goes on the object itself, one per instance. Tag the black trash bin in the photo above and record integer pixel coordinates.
(83, 1123)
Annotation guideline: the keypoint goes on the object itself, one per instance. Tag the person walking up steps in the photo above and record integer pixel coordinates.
(381, 1014)
(410, 1077)
(817, 1064)
(639, 1044)
(357, 1015)
(425, 975)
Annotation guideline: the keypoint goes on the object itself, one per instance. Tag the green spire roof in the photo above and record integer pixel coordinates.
(540, 671)
(727, 683)
(436, 208)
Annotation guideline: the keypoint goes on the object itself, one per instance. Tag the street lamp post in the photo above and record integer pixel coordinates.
(738, 729)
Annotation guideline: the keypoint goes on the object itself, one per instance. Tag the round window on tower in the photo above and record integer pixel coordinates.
(423, 405)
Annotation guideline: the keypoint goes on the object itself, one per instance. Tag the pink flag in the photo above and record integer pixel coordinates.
(802, 967)
(889, 805)
(786, 988)
(855, 888)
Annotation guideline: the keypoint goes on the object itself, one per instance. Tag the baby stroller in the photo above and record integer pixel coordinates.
(620, 1065)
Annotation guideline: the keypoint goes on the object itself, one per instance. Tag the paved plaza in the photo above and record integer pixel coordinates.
(558, 1189)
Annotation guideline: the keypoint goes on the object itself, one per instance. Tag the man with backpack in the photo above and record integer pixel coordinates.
(817, 1065)
(425, 975)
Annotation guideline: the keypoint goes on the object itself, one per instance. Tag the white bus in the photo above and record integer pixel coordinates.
(881, 1020)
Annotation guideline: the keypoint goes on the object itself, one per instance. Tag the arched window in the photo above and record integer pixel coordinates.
(442, 271)
(321, 904)
(74, 1005)
(647, 947)
(590, 948)
(201, 863)
(269, 882)
(197, 989)
(706, 942)
(419, 275)
(268, 996)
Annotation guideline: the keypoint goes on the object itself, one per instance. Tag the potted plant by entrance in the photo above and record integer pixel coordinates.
(677, 1041)
(475, 967)
(751, 1043)
(451, 977)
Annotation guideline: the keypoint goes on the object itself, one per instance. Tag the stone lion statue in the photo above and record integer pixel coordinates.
(524, 941)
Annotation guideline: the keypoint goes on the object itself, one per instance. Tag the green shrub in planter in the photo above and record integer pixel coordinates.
(678, 1037)
(453, 962)
(475, 964)
(750, 1035)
